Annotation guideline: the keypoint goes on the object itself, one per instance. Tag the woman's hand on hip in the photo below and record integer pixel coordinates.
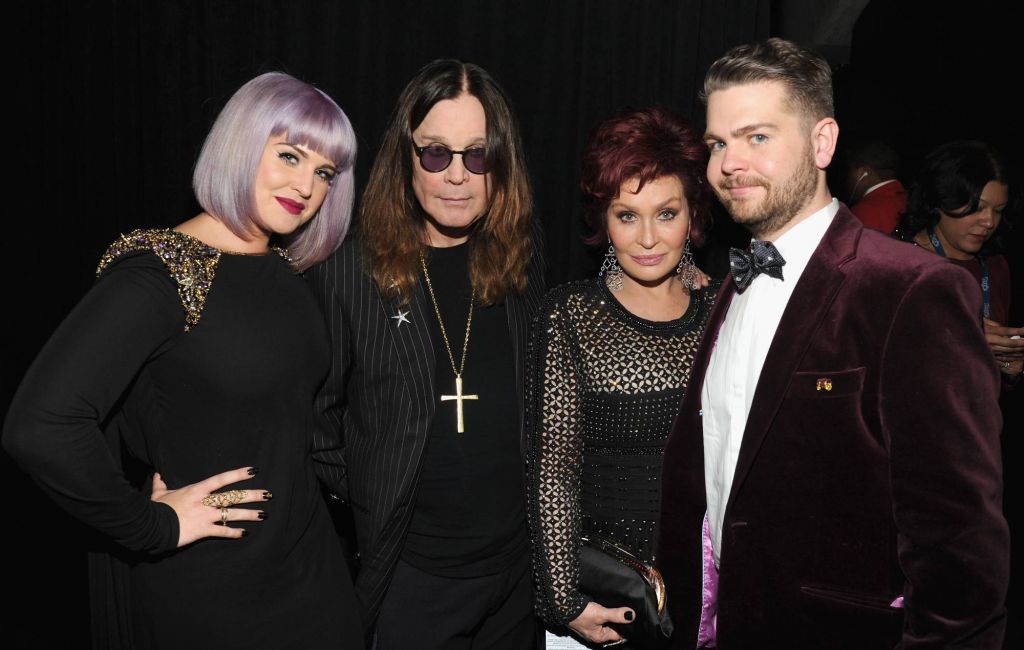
(204, 512)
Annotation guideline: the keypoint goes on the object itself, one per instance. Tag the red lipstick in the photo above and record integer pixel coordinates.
(293, 207)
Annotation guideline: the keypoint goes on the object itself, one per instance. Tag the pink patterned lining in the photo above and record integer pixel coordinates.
(707, 632)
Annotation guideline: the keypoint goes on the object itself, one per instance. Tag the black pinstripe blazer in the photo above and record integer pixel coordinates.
(379, 399)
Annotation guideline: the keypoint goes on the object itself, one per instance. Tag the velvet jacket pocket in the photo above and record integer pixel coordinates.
(845, 597)
(826, 384)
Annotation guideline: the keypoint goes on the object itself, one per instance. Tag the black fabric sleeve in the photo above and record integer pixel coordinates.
(53, 428)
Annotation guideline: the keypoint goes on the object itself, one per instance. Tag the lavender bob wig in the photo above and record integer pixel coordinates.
(269, 105)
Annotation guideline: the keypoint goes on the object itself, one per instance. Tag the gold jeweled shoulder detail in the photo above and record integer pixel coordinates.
(283, 253)
(191, 263)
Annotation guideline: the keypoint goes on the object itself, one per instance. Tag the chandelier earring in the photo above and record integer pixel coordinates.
(610, 270)
(686, 270)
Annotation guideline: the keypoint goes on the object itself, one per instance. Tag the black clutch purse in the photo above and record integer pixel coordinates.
(614, 577)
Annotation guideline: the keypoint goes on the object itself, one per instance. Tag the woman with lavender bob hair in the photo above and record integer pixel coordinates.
(273, 104)
(198, 349)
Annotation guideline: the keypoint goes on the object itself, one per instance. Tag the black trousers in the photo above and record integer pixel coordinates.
(427, 612)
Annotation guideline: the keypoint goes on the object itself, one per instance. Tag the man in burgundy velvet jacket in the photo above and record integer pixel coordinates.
(833, 479)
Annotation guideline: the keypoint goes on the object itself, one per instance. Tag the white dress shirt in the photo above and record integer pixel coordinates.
(738, 356)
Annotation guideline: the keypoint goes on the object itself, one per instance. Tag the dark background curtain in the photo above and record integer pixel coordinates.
(112, 99)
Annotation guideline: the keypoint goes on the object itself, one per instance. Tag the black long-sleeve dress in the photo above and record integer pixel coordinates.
(604, 388)
(193, 362)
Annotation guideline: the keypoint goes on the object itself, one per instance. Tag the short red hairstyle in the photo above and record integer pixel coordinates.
(646, 144)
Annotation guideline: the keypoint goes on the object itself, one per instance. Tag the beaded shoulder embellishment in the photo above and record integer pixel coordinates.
(282, 253)
(191, 263)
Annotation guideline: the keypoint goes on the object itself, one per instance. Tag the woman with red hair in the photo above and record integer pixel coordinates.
(611, 359)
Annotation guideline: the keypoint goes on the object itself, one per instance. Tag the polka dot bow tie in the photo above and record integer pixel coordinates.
(763, 257)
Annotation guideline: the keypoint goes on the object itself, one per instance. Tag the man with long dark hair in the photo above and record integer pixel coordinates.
(429, 308)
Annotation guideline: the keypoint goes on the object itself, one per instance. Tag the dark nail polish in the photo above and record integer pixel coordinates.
(244, 532)
(261, 516)
(253, 471)
(629, 615)
(268, 495)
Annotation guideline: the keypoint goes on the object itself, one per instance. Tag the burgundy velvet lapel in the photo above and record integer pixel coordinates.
(691, 401)
(817, 289)
(702, 358)
(685, 448)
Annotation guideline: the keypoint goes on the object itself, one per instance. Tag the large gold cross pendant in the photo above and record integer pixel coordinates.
(458, 397)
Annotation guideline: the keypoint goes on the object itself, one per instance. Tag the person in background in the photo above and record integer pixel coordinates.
(876, 195)
(956, 210)
(429, 310)
(201, 348)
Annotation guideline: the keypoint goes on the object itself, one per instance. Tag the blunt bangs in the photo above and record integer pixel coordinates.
(273, 104)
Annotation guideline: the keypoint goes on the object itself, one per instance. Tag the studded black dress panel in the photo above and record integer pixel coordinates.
(603, 390)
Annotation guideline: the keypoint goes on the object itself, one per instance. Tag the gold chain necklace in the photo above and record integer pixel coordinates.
(458, 396)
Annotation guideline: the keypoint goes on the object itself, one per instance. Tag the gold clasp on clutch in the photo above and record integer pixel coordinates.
(824, 384)
(619, 552)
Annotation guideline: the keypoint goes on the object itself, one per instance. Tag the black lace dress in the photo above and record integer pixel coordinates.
(603, 391)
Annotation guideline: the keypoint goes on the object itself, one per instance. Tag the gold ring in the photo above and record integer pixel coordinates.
(224, 499)
(223, 516)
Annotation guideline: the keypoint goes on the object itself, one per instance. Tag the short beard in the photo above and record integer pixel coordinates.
(781, 203)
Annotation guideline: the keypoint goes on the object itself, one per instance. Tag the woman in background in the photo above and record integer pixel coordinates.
(956, 210)
(200, 348)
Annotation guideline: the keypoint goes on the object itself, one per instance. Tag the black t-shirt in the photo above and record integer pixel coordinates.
(469, 518)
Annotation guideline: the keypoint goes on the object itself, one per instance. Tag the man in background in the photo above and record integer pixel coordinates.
(877, 197)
